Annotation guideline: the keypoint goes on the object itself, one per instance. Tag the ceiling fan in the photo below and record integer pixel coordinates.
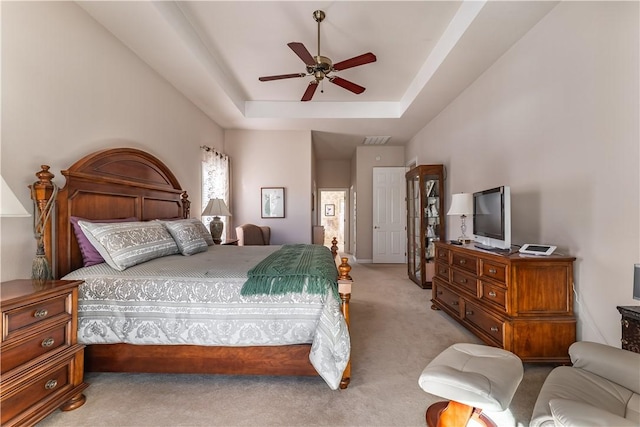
(320, 66)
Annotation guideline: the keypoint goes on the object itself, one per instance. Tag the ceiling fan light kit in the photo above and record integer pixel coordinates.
(321, 66)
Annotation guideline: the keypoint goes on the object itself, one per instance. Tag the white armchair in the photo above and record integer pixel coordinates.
(602, 388)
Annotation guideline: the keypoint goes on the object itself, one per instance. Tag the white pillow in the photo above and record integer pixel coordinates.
(125, 244)
(187, 237)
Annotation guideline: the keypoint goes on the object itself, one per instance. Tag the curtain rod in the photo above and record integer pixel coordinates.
(216, 152)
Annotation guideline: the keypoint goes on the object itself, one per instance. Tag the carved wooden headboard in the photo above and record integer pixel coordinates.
(113, 183)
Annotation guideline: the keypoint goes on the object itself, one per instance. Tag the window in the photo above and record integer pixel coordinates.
(215, 180)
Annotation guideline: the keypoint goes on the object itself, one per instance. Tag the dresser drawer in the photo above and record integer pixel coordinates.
(465, 262)
(465, 281)
(446, 297)
(494, 294)
(495, 271)
(28, 315)
(442, 254)
(442, 271)
(54, 381)
(45, 342)
(491, 326)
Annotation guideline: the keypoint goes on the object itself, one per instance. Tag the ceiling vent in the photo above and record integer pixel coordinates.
(376, 140)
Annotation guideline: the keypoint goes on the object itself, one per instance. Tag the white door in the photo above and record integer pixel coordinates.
(389, 215)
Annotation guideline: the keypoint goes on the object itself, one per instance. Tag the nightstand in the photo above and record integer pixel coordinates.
(42, 363)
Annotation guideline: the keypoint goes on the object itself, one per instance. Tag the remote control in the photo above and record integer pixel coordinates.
(455, 242)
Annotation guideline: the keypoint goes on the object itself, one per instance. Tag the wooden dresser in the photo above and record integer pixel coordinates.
(630, 328)
(42, 363)
(523, 304)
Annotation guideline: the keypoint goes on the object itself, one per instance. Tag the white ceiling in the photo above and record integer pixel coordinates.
(427, 53)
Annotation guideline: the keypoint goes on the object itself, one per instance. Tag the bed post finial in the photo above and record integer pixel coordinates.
(334, 247)
(186, 204)
(41, 192)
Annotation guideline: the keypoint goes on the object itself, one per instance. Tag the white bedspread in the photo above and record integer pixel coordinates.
(196, 300)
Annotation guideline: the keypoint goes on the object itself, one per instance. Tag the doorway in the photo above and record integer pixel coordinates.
(333, 204)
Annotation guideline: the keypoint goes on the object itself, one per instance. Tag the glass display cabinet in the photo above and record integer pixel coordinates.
(425, 221)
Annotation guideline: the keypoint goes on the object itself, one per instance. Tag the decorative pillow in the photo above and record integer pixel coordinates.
(125, 244)
(90, 255)
(202, 229)
(187, 236)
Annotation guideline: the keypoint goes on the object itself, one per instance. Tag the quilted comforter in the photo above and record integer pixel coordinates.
(197, 300)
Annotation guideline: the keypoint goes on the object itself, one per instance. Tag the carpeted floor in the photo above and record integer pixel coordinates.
(394, 336)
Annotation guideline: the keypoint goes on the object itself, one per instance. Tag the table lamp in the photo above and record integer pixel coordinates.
(462, 204)
(216, 208)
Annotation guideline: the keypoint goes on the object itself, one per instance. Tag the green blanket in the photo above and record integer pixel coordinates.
(294, 268)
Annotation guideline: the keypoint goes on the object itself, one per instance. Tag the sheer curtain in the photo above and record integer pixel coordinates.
(215, 182)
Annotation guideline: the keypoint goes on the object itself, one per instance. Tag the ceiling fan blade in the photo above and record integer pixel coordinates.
(365, 58)
(311, 89)
(302, 53)
(280, 77)
(357, 89)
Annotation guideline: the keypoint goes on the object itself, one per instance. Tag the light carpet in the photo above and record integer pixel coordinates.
(395, 335)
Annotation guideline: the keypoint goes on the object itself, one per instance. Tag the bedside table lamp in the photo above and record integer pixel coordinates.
(216, 208)
(462, 204)
(11, 206)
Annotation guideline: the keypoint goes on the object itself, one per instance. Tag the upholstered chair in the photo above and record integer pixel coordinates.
(251, 234)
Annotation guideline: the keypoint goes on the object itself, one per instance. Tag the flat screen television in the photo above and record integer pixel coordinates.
(492, 218)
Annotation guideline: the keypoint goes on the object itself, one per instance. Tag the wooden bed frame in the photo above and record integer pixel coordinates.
(126, 182)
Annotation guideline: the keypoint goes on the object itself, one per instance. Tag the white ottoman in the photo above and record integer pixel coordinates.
(474, 378)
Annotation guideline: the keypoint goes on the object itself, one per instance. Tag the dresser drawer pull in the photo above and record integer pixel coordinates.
(51, 384)
(492, 294)
(39, 314)
(455, 303)
(443, 271)
(463, 261)
(625, 323)
(442, 255)
(494, 329)
(463, 280)
(439, 292)
(469, 313)
(493, 271)
(48, 342)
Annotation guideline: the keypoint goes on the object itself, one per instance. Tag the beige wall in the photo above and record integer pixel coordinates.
(334, 173)
(272, 159)
(368, 157)
(69, 88)
(556, 118)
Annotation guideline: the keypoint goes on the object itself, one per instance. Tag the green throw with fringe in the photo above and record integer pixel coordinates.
(294, 268)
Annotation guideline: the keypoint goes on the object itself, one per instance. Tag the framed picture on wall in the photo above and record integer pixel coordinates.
(329, 210)
(272, 202)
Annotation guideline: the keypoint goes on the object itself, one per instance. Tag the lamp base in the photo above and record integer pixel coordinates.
(215, 227)
(464, 239)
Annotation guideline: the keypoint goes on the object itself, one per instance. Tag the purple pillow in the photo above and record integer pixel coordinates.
(90, 256)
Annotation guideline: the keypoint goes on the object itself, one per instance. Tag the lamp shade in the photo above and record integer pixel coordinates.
(461, 204)
(11, 206)
(216, 207)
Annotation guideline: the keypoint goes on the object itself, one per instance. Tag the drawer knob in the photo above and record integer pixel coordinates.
(463, 280)
(51, 384)
(439, 292)
(492, 294)
(494, 329)
(625, 323)
(455, 303)
(39, 314)
(443, 271)
(469, 313)
(48, 342)
(463, 261)
(493, 271)
(624, 342)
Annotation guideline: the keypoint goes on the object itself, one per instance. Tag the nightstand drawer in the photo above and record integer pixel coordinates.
(33, 313)
(52, 382)
(44, 342)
